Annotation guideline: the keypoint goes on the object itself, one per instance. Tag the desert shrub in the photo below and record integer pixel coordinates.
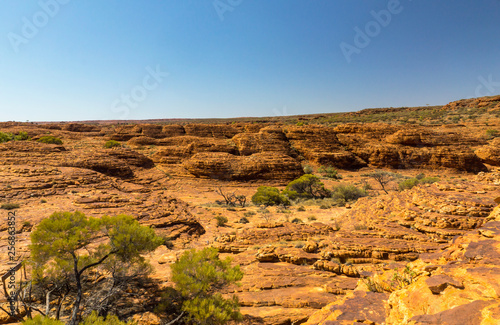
(344, 193)
(9, 206)
(408, 184)
(248, 214)
(267, 196)
(296, 220)
(419, 179)
(300, 123)
(221, 221)
(43, 201)
(243, 220)
(329, 172)
(324, 207)
(95, 319)
(490, 134)
(112, 144)
(50, 140)
(21, 136)
(429, 180)
(301, 208)
(308, 186)
(308, 169)
(312, 218)
(40, 320)
(6, 137)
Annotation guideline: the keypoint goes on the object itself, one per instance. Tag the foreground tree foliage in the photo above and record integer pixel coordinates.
(67, 245)
(198, 278)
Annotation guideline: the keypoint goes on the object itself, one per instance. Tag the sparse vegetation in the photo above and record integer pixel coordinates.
(10, 206)
(419, 179)
(249, 214)
(383, 178)
(112, 144)
(329, 172)
(297, 220)
(344, 193)
(50, 140)
(490, 134)
(231, 199)
(221, 221)
(6, 136)
(268, 196)
(243, 220)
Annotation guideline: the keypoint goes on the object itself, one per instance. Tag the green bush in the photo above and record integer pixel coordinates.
(329, 172)
(95, 319)
(301, 209)
(22, 136)
(267, 196)
(408, 184)
(308, 186)
(419, 179)
(9, 206)
(40, 320)
(344, 193)
(198, 276)
(112, 144)
(6, 137)
(221, 221)
(50, 140)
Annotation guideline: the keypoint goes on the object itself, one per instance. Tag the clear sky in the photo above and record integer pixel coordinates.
(123, 59)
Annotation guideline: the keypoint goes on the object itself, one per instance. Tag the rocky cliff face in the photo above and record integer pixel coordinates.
(451, 279)
(348, 146)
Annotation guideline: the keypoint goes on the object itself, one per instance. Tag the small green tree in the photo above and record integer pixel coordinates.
(267, 195)
(198, 278)
(66, 242)
(383, 178)
(308, 186)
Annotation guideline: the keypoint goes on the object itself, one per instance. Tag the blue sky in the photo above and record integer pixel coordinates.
(121, 59)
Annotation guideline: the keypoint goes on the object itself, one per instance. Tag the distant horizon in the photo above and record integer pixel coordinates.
(227, 118)
(66, 60)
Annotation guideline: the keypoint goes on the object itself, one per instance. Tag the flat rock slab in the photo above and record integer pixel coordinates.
(438, 283)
